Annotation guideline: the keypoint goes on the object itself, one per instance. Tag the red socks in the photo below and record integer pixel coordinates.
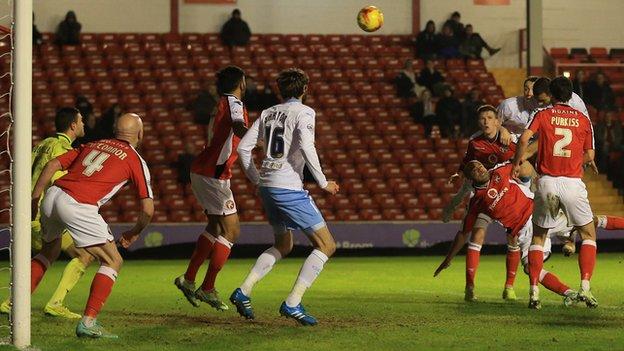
(100, 289)
(536, 263)
(552, 283)
(587, 259)
(220, 253)
(38, 266)
(203, 247)
(472, 262)
(614, 223)
(513, 259)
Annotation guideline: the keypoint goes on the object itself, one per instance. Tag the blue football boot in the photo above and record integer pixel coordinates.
(297, 313)
(242, 303)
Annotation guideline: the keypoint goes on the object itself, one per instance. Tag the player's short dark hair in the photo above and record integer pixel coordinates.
(228, 79)
(486, 108)
(541, 86)
(456, 14)
(531, 79)
(561, 89)
(291, 82)
(65, 116)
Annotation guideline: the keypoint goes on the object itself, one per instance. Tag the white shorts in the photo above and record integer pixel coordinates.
(561, 193)
(59, 211)
(214, 195)
(561, 230)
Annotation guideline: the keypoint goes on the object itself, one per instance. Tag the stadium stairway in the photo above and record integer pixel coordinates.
(510, 79)
(603, 197)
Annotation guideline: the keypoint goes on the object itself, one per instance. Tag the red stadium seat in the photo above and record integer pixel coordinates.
(559, 53)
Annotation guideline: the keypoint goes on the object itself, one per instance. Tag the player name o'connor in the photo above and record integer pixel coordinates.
(112, 150)
(564, 121)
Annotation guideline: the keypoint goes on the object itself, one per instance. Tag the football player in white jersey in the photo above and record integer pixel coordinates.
(286, 132)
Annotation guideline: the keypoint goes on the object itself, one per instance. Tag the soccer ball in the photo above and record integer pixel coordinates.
(370, 18)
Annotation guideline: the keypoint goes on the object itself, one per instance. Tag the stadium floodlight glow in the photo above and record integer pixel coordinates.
(22, 144)
(566, 74)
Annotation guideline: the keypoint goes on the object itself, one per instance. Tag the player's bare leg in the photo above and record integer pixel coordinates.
(587, 262)
(473, 255)
(600, 221)
(101, 287)
(229, 229)
(241, 297)
(511, 263)
(536, 264)
(324, 247)
(73, 271)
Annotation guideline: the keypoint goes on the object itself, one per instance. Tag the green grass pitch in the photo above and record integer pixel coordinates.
(373, 303)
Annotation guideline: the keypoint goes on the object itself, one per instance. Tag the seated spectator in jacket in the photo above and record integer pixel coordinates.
(205, 105)
(105, 126)
(37, 37)
(235, 32)
(448, 112)
(427, 42)
(405, 82)
(579, 84)
(448, 44)
(423, 112)
(473, 44)
(456, 26)
(430, 77)
(599, 93)
(470, 117)
(608, 137)
(184, 162)
(258, 98)
(68, 32)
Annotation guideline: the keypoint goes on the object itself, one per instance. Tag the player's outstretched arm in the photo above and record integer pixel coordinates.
(145, 217)
(305, 125)
(49, 170)
(520, 152)
(246, 145)
(458, 242)
(588, 160)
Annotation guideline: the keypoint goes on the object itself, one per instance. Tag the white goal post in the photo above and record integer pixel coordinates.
(22, 145)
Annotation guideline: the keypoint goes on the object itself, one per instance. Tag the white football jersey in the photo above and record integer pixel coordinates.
(287, 134)
(515, 112)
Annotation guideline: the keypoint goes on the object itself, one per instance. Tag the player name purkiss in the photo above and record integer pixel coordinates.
(564, 121)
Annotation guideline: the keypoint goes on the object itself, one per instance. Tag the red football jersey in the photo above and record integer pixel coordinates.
(501, 199)
(97, 170)
(216, 160)
(488, 152)
(563, 134)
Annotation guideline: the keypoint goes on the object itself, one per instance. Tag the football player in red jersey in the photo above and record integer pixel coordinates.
(96, 171)
(565, 145)
(486, 147)
(210, 180)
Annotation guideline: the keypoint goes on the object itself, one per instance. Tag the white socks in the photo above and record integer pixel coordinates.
(311, 268)
(88, 321)
(263, 265)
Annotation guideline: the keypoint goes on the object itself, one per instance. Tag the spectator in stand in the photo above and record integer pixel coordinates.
(68, 32)
(104, 127)
(608, 136)
(456, 26)
(579, 84)
(423, 112)
(256, 99)
(448, 44)
(205, 105)
(183, 164)
(599, 93)
(427, 42)
(431, 78)
(406, 83)
(86, 110)
(37, 37)
(235, 32)
(448, 112)
(470, 121)
(473, 44)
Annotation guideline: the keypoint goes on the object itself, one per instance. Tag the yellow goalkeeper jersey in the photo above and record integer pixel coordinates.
(47, 150)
